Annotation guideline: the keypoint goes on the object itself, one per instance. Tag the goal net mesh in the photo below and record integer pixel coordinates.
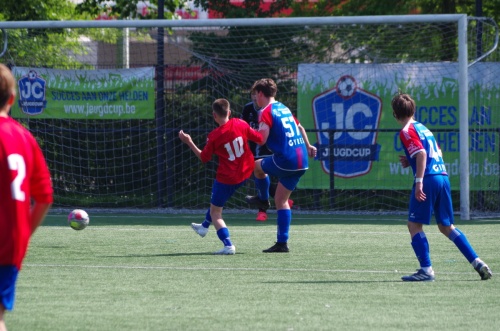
(338, 80)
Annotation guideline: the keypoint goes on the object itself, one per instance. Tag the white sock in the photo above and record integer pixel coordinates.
(476, 262)
(428, 270)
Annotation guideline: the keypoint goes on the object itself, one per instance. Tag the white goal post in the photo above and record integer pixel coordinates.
(175, 32)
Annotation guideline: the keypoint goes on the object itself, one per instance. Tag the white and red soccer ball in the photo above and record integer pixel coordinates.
(78, 219)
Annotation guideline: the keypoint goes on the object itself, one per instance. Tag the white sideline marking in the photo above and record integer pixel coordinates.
(429, 232)
(170, 229)
(233, 269)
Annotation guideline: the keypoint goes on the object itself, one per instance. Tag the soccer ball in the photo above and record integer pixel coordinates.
(78, 219)
(346, 86)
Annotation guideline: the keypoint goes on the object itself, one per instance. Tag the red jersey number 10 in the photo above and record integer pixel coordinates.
(235, 149)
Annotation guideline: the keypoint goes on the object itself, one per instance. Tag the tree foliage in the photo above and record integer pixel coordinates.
(125, 9)
(309, 8)
(48, 46)
(36, 10)
(246, 9)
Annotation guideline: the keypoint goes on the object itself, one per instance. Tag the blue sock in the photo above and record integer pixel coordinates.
(208, 219)
(223, 234)
(262, 186)
(460, 240)
(421, 247)
(284, 220)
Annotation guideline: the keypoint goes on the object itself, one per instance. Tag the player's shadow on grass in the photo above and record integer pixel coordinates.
(165, 255)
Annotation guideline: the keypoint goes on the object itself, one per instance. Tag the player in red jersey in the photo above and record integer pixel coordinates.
(24, 177)
(230, 143)
(287, 139)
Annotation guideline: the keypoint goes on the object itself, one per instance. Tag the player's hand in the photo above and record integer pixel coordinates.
(311, 150)
(184, 137)
(404, 161)
(419, 192)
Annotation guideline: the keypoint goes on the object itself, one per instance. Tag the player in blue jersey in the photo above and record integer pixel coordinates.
(287, 139)
(250, 114)
(431, 192)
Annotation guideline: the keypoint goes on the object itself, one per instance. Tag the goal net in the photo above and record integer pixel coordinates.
(106, 101)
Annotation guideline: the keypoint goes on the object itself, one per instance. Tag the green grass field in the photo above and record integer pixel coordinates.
(152, 272)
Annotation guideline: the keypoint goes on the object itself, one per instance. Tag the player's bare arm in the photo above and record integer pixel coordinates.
(404, 161)
(264, 131)
(38, 212)
(185, 138)
(311, 150)
(419, 184)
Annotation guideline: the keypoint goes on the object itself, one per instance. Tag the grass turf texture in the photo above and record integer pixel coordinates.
(152, 272)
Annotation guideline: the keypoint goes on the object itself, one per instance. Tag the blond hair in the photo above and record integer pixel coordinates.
(7, 85)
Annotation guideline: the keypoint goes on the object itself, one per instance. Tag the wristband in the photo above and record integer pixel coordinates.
(419, 180)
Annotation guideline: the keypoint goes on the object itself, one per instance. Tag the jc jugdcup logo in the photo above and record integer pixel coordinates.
(32, 93)
(352, 115)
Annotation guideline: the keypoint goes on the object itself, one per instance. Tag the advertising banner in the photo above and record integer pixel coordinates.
(352, 102)
(85, 94)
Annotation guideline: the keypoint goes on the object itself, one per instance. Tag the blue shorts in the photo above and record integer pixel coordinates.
(8, 278)
(222, 192)
(438, 201)
(288, 178)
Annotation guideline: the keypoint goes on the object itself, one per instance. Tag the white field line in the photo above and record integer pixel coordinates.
(191, 218)
(171, 229)
(239, 230)
(34, 265)
(188, 229)
(229, 216)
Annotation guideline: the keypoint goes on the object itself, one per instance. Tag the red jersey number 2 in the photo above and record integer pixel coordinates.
(235, 149)
(16, 163)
